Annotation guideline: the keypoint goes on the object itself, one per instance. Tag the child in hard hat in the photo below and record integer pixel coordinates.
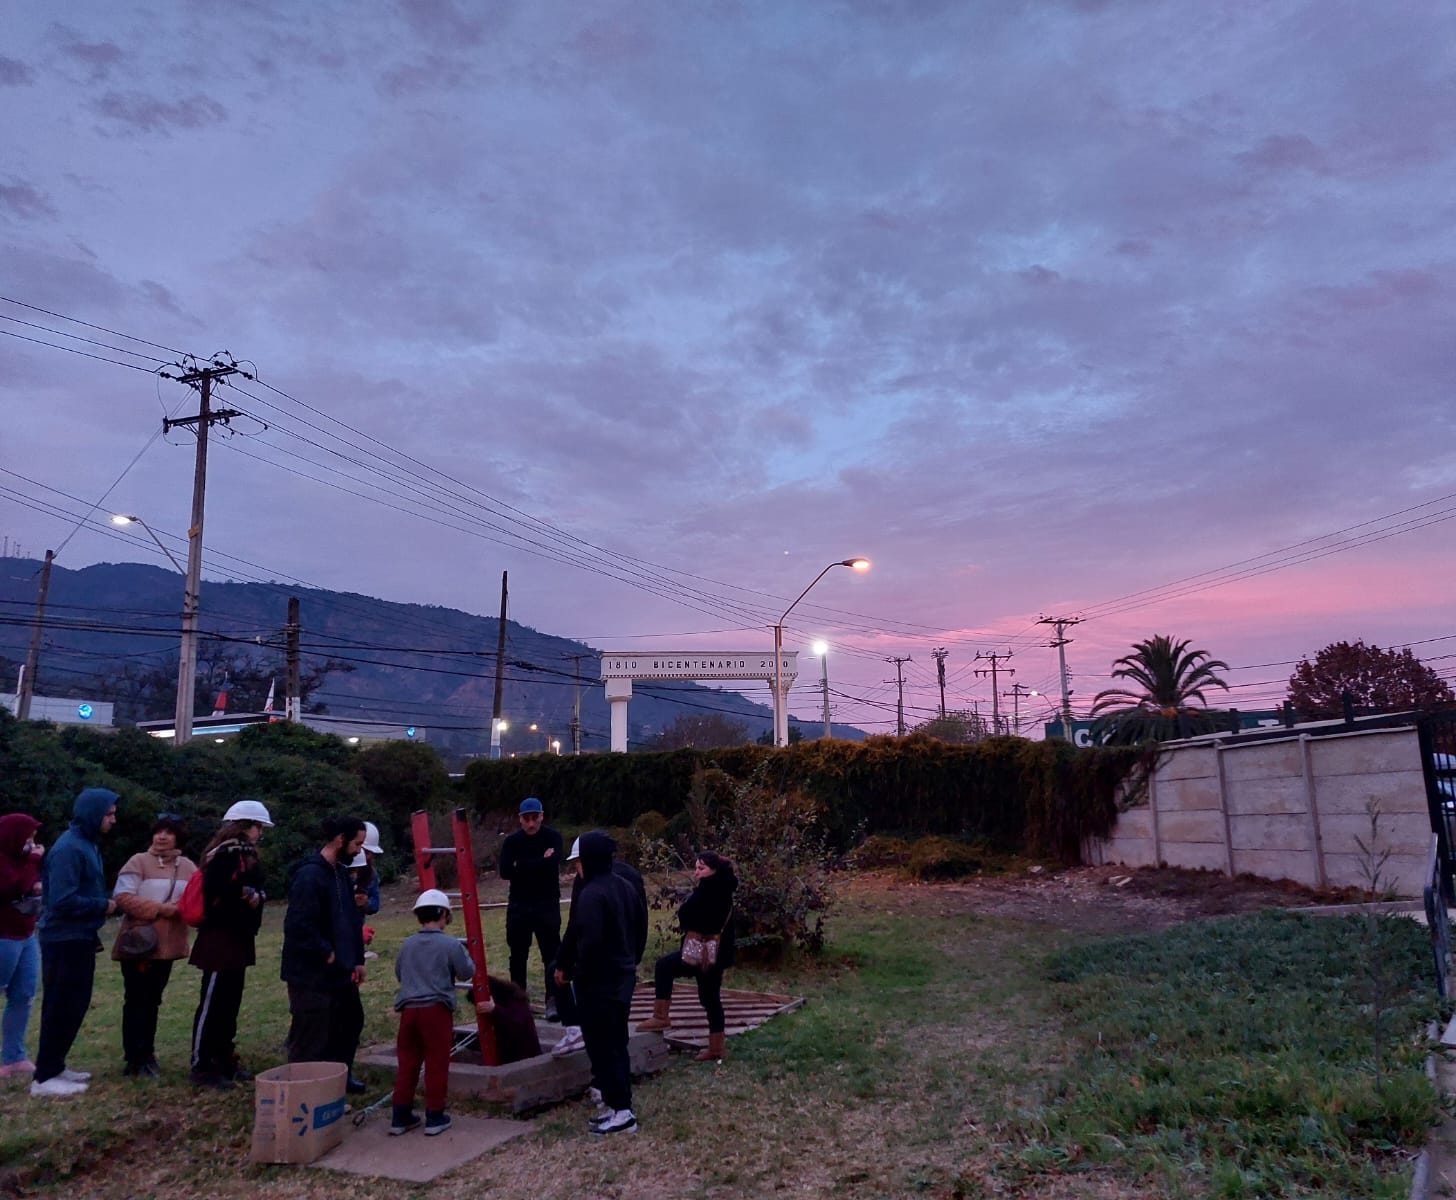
(428, 965)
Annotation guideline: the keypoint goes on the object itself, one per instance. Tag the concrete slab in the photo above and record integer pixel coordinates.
(414, 1158)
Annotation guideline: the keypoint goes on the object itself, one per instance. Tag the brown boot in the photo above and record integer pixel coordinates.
(717, 1049)
(661, 1017)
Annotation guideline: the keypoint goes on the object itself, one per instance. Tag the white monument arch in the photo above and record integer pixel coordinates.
(619, 670)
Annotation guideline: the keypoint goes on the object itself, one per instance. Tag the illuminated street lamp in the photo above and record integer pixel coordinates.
(821, 648)
(124, 519)
(781, 709)
(498, 726)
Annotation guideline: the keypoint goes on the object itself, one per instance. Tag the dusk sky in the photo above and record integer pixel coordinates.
(1037, 306)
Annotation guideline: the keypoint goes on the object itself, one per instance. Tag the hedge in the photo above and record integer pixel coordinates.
(1039, 798)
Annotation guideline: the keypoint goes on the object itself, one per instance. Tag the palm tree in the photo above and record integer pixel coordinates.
(1167, 701)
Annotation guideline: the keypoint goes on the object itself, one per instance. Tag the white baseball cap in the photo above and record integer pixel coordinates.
(359, 861)
(371, 838)
(248, 810)
(575, 851)
(433, 898)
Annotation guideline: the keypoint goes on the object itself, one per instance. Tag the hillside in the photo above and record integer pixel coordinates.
(112, 631)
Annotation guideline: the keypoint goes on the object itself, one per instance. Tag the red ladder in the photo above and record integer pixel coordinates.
(469, 906)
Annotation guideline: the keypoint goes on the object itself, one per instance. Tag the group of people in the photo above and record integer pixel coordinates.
(52, 907)
(591, 969)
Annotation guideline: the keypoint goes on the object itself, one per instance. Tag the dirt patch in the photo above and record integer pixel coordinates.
(1107, 899)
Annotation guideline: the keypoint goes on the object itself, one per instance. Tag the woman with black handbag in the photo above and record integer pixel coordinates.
(706, 921)
(151, 938)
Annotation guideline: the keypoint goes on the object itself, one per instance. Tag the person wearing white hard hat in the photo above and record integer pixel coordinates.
(429, 964)
(363, 872)
(233, 899)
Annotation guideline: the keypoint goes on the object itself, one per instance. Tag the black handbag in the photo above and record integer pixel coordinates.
(137, 941)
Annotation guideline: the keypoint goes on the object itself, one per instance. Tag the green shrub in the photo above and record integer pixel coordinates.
(879, 850)
(942, 858)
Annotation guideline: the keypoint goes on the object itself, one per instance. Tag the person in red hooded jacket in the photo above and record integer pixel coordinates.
(20, 900)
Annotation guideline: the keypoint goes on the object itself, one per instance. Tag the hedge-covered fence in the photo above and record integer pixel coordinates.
(1040, 798)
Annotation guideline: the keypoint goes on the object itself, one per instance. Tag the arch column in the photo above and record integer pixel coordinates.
(619, 695)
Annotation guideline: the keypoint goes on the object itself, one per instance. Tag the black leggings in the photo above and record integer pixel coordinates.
(710, 986)
(143, 983)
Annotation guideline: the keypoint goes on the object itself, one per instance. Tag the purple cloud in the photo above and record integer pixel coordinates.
(26, 202)
(14, 73)
(150, 114)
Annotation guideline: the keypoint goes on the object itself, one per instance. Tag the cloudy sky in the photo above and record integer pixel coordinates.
(661, 307)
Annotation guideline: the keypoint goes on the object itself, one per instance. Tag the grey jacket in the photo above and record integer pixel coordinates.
(428, 965)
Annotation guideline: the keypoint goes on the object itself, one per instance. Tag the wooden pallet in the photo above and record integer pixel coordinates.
(743, 1011)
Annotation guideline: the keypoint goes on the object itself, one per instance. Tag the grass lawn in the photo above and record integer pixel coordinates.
(942, 1053)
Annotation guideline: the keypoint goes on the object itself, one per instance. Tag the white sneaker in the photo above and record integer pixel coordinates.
(56, 1086)
(76, 1076)
(624, 1120)
(571, 1041)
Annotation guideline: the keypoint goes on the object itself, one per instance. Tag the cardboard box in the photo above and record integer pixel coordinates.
(298, 1111)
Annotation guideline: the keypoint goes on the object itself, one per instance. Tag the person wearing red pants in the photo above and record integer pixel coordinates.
(428, 965)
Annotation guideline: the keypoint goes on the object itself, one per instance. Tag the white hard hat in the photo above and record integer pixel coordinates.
(248, 810)
(371, 838)
(433, 898)
(575, 851)
(359, 861)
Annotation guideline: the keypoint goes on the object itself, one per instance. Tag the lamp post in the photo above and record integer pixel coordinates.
(821, 648)
(535, 728)
(133, 519)
(781, 709)
(187, 658)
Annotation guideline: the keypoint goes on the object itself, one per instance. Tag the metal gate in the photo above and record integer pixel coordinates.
(1437, 732)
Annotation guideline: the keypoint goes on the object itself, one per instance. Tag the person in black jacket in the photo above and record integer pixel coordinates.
(571, 1040)
(606, 925)
(530, 861)
(323, 952)
(232, 899)
(708, 911)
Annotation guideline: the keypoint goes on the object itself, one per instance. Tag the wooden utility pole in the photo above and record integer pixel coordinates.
(900, 691)
(1059, 643)
(500, 676)
(1018, 690)
(26, 688)
(939, 654)
(576, 705)
(293, 700)
(201, 378)
(993, 658)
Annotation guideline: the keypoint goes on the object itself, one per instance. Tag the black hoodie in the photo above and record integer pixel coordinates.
(606, 917)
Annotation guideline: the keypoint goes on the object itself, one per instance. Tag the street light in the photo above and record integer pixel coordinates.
(556, 746)
(535, 728)
(781, 710)
(821, 648)
(498, 726)
(124, 519)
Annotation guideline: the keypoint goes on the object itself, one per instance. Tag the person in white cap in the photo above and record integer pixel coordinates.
(429, 964)
(233, 898)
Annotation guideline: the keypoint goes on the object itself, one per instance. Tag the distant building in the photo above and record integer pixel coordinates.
(355, 732)
(66, 710)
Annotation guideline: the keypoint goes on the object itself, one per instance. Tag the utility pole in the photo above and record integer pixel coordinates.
(26, 687)
(500, 676)
(939, 654)
(576, 705)
(900, 688)
(995, 659)
(1060, 643)
(200, 378)
(293, 695)
(1018, 690)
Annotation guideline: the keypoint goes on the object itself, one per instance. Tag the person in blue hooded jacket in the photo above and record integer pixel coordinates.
(76, 902)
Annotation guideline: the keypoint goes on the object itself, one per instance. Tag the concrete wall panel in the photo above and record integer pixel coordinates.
(1262, 761)
(1190, 827)
(1366, 753)
(1266, 796)
(1278, 833)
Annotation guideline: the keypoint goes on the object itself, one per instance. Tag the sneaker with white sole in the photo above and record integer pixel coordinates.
(76, 1076)
(623, 1120)
(571, 1041)
(56, 1086)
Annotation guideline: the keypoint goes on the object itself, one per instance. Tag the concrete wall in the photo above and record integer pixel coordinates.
(1285, 809)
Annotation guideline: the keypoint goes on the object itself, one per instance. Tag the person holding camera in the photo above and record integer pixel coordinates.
(232, 899)
(151, 938)
(20, 856)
